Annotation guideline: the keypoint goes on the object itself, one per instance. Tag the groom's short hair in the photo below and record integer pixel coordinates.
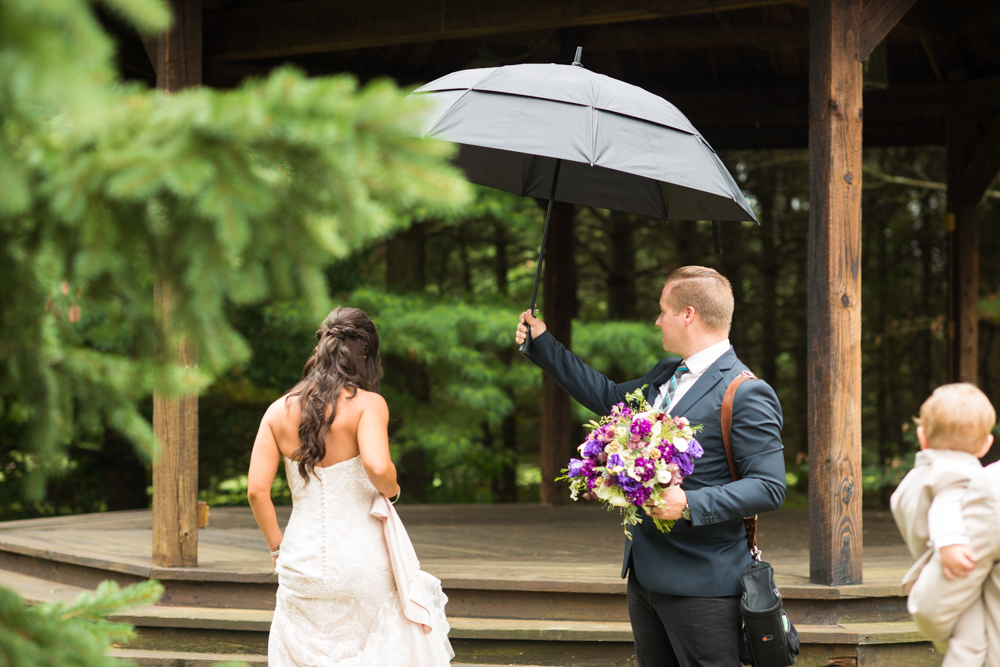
(707, 291)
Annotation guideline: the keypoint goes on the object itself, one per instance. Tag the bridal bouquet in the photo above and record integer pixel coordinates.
(632, 456)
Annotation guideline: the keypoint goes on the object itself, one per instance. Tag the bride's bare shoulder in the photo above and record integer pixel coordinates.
(284, 410)
(366, 400)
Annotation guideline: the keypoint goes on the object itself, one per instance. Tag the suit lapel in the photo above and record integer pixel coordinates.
(653, 390)
(710, 378)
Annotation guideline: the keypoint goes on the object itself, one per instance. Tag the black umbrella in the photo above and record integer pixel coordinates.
(616, 146)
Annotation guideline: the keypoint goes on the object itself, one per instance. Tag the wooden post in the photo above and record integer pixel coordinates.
(834, 292)
(175, 422)
(559, 302)
(973, 161)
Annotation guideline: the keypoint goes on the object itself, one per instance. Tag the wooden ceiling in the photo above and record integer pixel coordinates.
(737, 68)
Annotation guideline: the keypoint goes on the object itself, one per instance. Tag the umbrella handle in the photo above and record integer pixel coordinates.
(525, 347)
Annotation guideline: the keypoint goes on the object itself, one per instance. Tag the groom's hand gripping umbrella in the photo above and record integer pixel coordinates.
(574, 136)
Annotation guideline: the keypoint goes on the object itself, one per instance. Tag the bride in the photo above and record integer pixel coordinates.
(337, 601)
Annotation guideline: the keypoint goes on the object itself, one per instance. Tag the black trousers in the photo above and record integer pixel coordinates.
(678, 631)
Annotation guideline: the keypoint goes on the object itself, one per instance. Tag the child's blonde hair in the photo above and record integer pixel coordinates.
(957, 416)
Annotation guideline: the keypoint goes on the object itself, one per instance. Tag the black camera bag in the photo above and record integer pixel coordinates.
(769, 639)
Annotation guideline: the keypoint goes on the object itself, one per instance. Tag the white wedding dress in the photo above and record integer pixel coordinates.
(337, 601)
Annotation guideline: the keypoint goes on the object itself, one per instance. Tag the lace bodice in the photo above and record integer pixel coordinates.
(333, 546)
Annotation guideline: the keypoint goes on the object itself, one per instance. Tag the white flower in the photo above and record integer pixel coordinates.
(618, 500)
(643, 415)
(622, 431)
(687, 432)
(604, 492)
(657, 427)
(663, 477)
(680, 443)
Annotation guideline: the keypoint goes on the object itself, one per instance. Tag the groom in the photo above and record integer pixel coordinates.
(684, 587)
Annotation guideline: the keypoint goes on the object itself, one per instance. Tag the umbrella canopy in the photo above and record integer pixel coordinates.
(621, 147)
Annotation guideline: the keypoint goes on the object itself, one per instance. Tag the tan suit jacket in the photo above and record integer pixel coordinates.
(935, 602)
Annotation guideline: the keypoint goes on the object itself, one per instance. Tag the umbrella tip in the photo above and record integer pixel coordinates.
(577, 59)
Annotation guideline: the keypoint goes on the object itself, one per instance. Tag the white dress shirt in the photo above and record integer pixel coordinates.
(697, 364)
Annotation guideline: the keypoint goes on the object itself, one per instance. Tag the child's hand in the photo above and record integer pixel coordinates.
(956, 560)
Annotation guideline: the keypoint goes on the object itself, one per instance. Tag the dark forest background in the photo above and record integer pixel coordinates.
(446, 293)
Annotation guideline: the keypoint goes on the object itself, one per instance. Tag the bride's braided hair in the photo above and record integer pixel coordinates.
(346, 355)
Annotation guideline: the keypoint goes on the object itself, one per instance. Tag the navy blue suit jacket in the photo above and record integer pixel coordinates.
(703, 557)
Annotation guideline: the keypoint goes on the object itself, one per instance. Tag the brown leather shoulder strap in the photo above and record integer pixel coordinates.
(749, 523)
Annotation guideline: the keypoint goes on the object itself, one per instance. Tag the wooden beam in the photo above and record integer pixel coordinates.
(611, 38)
(877, 19)
(559, 304)
(963, 251)
(834, 293)
(316, 26)
(777, 37)
(175, 422)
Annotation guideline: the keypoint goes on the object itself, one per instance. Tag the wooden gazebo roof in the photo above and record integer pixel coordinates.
(738, 68)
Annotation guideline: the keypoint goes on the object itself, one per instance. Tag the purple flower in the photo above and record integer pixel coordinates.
(640, 496)
(641, 428)
(627, 483)
(575, 467)
(592, 448)
(667, 453)
(695, 450)
(645, 468)
(684, 462)
(615, 460)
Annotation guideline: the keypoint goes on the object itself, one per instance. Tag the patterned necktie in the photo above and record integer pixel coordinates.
(672, 385)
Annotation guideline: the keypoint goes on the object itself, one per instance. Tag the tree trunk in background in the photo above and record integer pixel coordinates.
(404, 272)
(505, 482)
(771, 211)
(404, 259)
(963, 250)
(621, 268)
(559, 302)
(500, 262)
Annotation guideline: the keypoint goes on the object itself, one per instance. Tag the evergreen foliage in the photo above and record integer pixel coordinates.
(227, 197)
(69, 634)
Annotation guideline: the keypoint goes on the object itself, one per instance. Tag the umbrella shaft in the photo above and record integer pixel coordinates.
(545, 235)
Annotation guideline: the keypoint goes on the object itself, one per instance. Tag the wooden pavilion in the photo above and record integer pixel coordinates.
(833, 75)
(749, 74)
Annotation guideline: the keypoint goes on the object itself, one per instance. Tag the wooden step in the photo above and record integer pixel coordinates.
(141, 658)
(468, 597)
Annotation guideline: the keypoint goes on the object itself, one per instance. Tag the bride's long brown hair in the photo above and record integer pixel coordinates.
(346, 355)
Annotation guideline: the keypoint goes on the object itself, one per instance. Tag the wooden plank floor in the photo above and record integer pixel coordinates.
(578, 547)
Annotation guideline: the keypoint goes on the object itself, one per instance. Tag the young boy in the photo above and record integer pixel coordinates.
(954, 433)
